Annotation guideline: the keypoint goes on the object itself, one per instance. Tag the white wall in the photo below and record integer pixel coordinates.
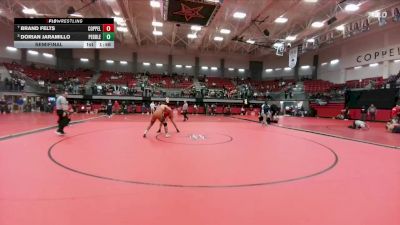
(7, 39)
(277, 62)
(351, 53)
(394, 67)
(40, 59)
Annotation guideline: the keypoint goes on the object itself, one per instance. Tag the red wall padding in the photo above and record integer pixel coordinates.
(333, 109)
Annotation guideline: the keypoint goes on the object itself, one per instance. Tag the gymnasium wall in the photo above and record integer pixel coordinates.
(7, 40)
(347, 51)
(344, 50)
(353, 52)
(278, 64)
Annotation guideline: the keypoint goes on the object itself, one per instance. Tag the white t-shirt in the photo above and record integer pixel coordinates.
(61, 103)
(359, 123)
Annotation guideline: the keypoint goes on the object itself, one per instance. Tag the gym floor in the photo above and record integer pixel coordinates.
(218, 170)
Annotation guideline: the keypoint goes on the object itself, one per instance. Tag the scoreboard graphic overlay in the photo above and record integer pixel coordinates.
(64, 33)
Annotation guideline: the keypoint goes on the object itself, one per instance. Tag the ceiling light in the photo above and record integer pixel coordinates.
(146, 64)
(47, 55)
(250, 41)
(157, 33)
(335, 61)
(109, 61)
(277, 69)
(204, 68)
(268, 70)
(373, 64)
(214, 68)
(241, 70)
(188, 66)
(117, 13)
(351, 7)
(192, 36)
(323, 64)
(396, 61)
(29, 11)
(277, 44)
(225, 31)
(311, 40)
(239, 15)
(84, 60)
(195, 28)
(287, 68)
(290, 38)
(231, 69)
(340, 27)
(305, 67)
(156, 24)
(122, 29)
(317, 24)
(218, 38)
(375, 14)
(76, 15)
(311, 1)
(123, 62)
(155, 4)
(281, 20)
(178, 66)
(33, 52)
(9, 48)
(357, 67)
(159, 64)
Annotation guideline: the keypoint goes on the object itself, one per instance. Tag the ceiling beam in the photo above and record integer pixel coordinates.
(130, 22)
(173, 36)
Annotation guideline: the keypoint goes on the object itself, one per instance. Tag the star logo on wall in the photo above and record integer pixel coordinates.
(189, 13)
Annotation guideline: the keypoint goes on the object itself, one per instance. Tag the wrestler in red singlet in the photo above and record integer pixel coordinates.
(162, 113)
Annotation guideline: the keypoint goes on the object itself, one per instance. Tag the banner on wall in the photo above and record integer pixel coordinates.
(293, 57)
(375, 56)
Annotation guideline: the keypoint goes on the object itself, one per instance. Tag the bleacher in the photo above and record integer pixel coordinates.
(267, 85)
(378, 81)
(50, 75)
(219, 82)
(175, 81)
(120, 78)
(317, 86)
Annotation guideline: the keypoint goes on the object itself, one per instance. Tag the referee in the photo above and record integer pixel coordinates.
(62, 112)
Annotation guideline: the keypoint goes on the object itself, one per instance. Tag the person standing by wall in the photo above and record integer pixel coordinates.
(242, 111)
(364, 111)
(62, 113)
(264, 113)
(185, 111)
(109, 108)
(196, 109)
(3, 106)
(372, 112)
(152, 108)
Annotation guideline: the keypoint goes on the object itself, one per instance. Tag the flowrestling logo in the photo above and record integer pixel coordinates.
(197, 137)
